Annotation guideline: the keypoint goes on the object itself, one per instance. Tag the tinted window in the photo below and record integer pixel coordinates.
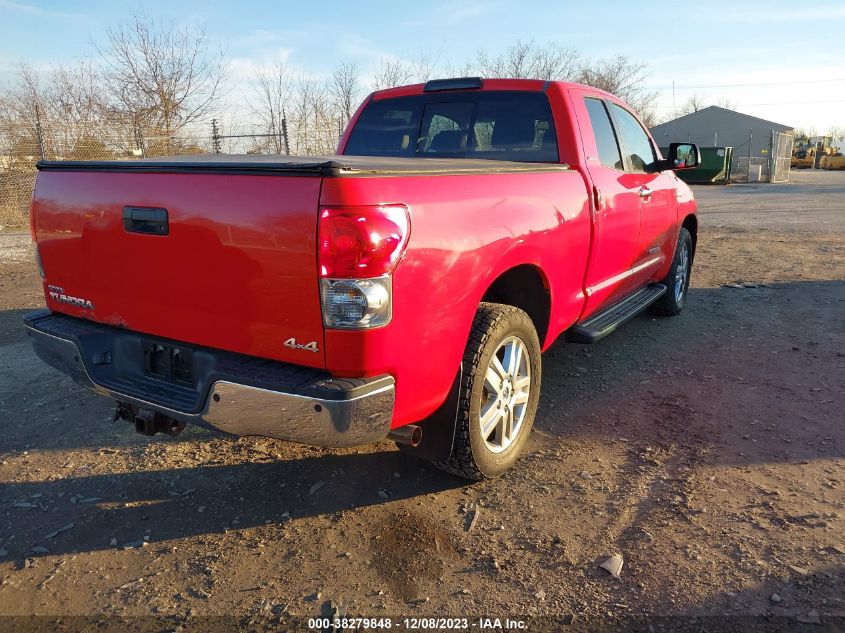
(494, 125)
(606, 142)
(386, 128)
(637, 144)
(517, 127)
(445, 127)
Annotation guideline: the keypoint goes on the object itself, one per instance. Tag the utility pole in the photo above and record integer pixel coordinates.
(674, 113)
(750, 143)
(139, 134)
(285, 133)
(215, 136)
(39, 133)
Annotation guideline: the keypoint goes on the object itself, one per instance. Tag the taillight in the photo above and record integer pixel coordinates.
(362, 242)
(358, 249)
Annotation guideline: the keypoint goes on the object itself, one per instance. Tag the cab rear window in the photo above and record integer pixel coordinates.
(515, 126)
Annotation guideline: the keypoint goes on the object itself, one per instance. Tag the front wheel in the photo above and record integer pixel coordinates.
(499, 393)
(677, 280)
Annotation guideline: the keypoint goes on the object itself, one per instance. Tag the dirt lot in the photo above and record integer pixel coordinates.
(708, 450)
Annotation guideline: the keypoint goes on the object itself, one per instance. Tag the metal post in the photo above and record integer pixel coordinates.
(139, 136)
(285, 133)
(674, 111)
(39, 134)
(215, 136)
(750, 143)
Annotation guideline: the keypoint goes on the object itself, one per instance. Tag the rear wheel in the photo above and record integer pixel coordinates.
(499, 393)
(677, 280)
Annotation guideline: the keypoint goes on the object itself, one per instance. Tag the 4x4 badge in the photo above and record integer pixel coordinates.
(311, 347)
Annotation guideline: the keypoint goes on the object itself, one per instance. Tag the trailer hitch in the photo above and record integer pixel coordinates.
(147, 421)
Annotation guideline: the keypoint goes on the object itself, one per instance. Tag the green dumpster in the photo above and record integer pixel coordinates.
(715, 166)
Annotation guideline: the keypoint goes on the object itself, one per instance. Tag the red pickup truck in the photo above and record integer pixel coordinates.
(403, 288)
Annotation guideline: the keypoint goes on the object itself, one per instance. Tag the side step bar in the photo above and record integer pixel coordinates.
(600, 325)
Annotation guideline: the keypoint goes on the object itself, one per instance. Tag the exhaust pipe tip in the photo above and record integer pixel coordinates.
(410, 434)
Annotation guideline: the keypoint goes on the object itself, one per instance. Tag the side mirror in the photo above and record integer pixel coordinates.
(683, 156)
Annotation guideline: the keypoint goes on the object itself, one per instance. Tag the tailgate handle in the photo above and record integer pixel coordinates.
(145, 220)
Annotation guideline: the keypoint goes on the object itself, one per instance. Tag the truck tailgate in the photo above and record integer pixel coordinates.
(236, 269)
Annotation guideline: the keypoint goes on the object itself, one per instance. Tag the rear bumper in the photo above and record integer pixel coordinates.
(228, 392)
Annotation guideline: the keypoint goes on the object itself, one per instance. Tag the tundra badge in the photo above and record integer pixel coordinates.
(311, 347)
(57, 293)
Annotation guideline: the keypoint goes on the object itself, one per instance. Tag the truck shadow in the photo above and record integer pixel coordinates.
(798, 596)
(178, 503)
(757, 369)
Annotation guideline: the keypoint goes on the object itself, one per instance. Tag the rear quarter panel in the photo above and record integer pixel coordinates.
(465, 231)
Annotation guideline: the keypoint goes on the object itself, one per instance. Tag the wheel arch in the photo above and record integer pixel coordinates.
(690, 223)
(526, 287)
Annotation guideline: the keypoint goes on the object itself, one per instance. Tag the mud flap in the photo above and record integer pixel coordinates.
(438, 429)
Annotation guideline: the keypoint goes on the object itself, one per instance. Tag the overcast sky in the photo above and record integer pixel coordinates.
(783, 61)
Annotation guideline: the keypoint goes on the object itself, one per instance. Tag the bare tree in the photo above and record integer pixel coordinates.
(805, 133)
(726, 103)
(314, 128)
(695, 103)
(837, 133)
(168, 75)
(625, 78)
(526, 60)
(391, 72)
(273, 92)
(22, 111)
(424, 66)
(26, 95)
(80, 121)
(344, 89)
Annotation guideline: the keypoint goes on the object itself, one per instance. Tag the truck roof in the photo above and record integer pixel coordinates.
(464, 84)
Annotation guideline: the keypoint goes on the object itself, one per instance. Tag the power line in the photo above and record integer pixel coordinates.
(783, 103)
(752, 85)
(808, 102)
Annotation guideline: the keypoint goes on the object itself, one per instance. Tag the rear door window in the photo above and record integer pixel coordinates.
(445, 127)
(606, 142)
(386, 128)
(517, 127)
(638, 147)
(506, 125)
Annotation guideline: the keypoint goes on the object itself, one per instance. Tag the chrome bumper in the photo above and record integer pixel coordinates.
(347, 418)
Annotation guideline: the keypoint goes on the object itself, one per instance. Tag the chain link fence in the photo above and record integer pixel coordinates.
(753, 169)
(24, 143)
(781, 156)
(774, 167)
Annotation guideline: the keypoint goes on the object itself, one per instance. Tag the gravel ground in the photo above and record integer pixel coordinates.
(708, 450)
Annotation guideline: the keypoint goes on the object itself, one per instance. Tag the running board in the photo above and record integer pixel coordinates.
(600, 325)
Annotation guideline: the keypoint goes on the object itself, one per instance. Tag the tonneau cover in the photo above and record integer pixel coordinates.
(332, 166)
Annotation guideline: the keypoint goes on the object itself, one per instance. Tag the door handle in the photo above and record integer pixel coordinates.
(146, 221)
(644, 192)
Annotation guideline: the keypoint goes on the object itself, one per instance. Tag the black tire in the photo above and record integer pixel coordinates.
(494, 324)
(671, 303)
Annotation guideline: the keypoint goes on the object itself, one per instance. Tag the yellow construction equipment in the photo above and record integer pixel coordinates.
(816, 152)
(834, 161)
(803, 158)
